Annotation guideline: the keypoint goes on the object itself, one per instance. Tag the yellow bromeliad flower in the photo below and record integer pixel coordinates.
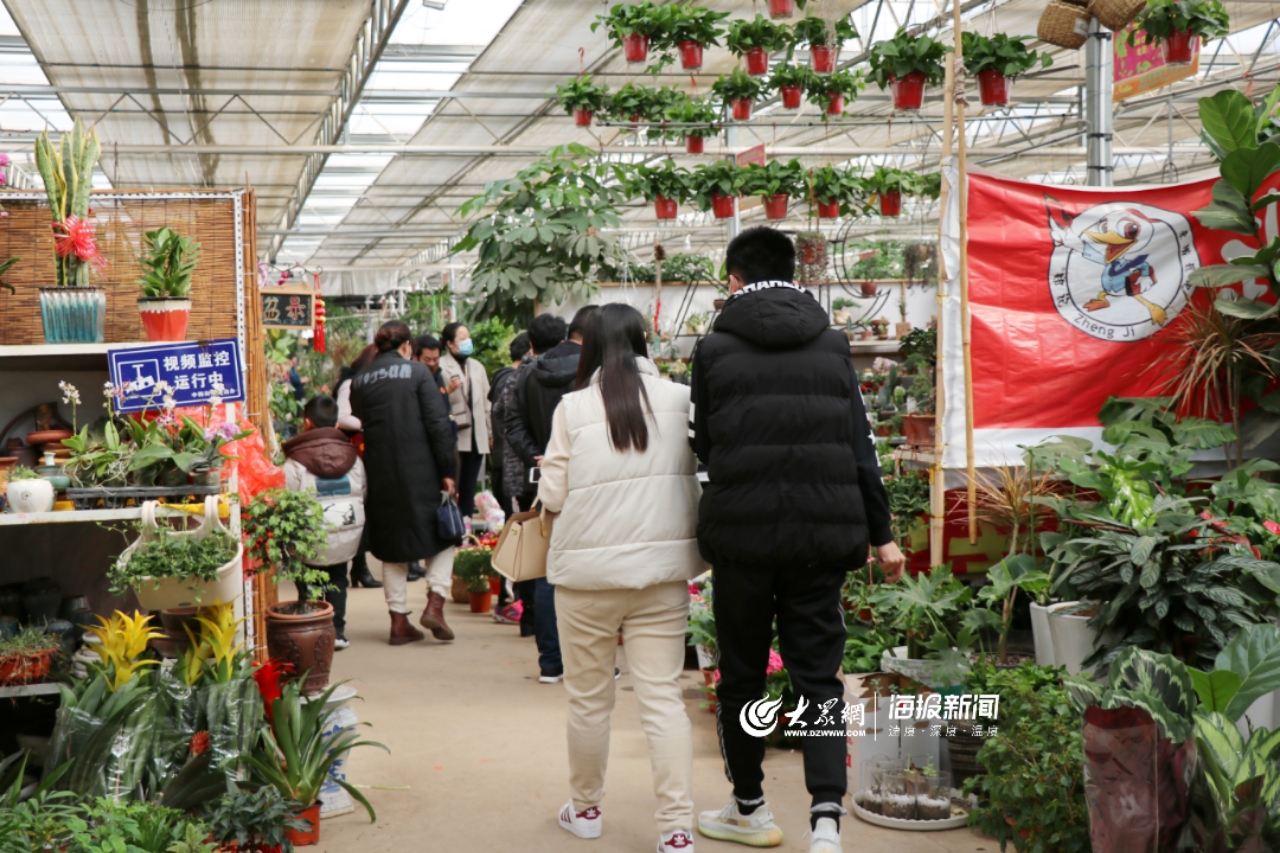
(123, 639)
(218, 628)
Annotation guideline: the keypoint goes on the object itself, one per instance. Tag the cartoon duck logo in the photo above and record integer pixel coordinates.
(1118, 271)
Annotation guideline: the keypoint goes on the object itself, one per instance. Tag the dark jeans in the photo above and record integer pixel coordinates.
(811, 633)
(360, 564)
(337, 596)
(468, 472)
(548, 634)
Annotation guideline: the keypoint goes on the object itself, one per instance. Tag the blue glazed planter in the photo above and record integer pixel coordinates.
(73, 315)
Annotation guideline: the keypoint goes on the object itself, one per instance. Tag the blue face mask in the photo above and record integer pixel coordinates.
(466, 347)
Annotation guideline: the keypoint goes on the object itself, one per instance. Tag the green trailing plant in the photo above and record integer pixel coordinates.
(887, 179)
(667, 180)
(582, 94)
(774, 178)
(633, 102)
(284, 528)
(759, 32)
(1005, 54)
(692, 23)
(738, 86)
(168, 263)
(791, 74)
(689, 112)
(1162, 18)
(817, 32)
(172, 555)
(67, 173)
(633, 19)
(905, 54)
(843, 82)
(723, 177)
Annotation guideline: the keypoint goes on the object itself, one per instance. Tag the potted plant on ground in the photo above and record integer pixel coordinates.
(832, 189)
(690, 29)
(835, 90)
(791, 81)
(906, 63)
(253, 821)
(473, 563)
(168, 262)
(582, 99)
(824, 41)
(889, 185)
(26, 656)
(1180, 25)
(74, 311)
(28, 491)
(716, 187)
(282, 529)
(738, 91)
(756, 39)
(927, 608)
(666, 186)
(775, 182)
(688, 115)
(996, 61)
(632, 25)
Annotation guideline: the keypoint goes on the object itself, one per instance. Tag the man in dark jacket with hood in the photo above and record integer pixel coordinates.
(541, 387)
(793, 501)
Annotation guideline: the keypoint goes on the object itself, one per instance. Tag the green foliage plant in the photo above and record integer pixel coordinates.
(284, 528)
(692, 23)
(820, 88)
(253, 820)
(1005, 54)
(168, 262)
(39, 822)
(926, 607)
(474, 564)
(738, 86)
(774, 178)
(887, 179)
(98, 461)
(723, 177)
(111, 826)
(759, 32)
(633, 19)
(792, 74)
(816, 32)
(667, 180)
(682, 267)
(689, 114)
(67, 173)
(172, 555)
(908, 500)
(634, 102)
(1162, 18)
(22, 472)
(905, 54)
(582, 94)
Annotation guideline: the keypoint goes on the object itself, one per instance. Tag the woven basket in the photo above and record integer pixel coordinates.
(1115, 15)
(1064, 25)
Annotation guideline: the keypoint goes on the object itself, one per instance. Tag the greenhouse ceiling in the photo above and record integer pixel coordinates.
(364, 124)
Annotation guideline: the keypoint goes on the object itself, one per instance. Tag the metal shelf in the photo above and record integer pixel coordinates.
(48, 688)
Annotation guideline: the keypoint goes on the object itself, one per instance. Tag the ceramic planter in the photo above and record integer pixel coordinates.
(30, 495)
(636, 47)
(304, 640)
(665, 208)
(891, 203)
(480, 601)
(908, 92)
(582, 117)
(822, 59)
(994, 88)
(305, 838)
(835, 103)
(171, 593)
(782, 8)
(757, 62)
(829, 209)
(1043, 637)
(165, 319)
(73, 315)
(742, 109)
(694, 144)
(723, 205)
(1179, 47)
(690, 55)
(792, 97)
(1073, 639)
(775, 206)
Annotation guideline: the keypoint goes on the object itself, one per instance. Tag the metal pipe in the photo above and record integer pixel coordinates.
(1099, 86)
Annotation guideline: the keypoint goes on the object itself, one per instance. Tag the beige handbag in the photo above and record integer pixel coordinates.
(521, 552)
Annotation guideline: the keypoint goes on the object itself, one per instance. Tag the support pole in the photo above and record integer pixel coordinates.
(1099, 85)
(731, 141)
(965, 333)
(937, 474)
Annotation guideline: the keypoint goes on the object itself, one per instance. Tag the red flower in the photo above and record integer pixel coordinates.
(267, 676)
(75, 235)
(1272, 527)
(199, 743)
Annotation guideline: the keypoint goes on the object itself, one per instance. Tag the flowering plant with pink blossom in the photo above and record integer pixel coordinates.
(702, 620)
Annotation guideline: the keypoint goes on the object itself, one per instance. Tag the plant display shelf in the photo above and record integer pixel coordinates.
(94, 516)
(139, 493)
(59, 357)
(16, 691)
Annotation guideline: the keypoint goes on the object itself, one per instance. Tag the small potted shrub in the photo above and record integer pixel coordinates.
(791, 81)
(473, 563)
(906, 63)
(690, 113)
(824, 41)
(716, 187)
(756, 39)
(632, 25)
(26, 656)
(168, 261)
(691, 29)
(1179, 25)
(832, 188)
(739, 91)
(253, 821)
(666, 186)
(582, 99)
(170, 569)
(28, 491)
(834, 90)
(889, 185)
(996, 61)
(774, 182)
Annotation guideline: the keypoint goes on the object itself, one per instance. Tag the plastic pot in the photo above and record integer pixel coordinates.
(1043, 637)
(1073, 639)
(891, 203)
(24, 668)
(165, 319)
(305, 838)
(722, 205)
(829, 209)
(582, 117)
(822, 59)
(709, 679)
(693, 144)
(665, 208)
(994, 88)
(835, 103)
(791, 97)
(480, 601)
(636, 47)
(775, 206)
(742, 109)
(495, 585)
(690, 55)
(782, 8)
(1179, 48)
(908, 93)
(757, 62)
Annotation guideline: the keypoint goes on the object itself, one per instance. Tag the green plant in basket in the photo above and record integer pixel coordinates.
(172, 555)
(758, 32)
(633, 19)
(281, 530)
(1006, 54)
(168, 262)
(581, 94)
(774, 178)
(831, 183)
(906, 54)
(642, 103)
(1162, 18)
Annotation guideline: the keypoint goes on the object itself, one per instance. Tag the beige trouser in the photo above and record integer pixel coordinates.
(395, 580)
(653, 623)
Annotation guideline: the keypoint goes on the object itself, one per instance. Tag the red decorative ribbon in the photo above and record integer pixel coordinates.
(75, 236)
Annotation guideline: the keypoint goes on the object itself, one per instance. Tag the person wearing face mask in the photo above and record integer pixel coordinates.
(467, 385)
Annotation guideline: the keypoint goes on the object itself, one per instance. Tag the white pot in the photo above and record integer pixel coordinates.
(30, 495)
(1072, 637)
(1043, 636)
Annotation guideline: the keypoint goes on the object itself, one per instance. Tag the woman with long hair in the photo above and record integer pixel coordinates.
(619, 472)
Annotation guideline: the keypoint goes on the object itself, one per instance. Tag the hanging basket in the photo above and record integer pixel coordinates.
(782, 8)
(908, 91)
(757, 62)
(742, 109)
(635, 47)
(582, 117)
(665, 208)
(179, 592)
(791, 96)
(1064, 25)
(722, 205)
(835, 103)
(693, 144)
(690, 55)
(994, 88)
(822, 59)
(1115, 15)
(829, 209)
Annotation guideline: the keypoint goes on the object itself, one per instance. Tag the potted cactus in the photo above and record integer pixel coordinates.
(755, 39)
(790, 81)
(716, 187)
(739, 91)
(775, 182)
(905, 63)
(996, 61)
(168, 261)
(1179, 25)
(582, 99)
(835, 90)
(824, 41)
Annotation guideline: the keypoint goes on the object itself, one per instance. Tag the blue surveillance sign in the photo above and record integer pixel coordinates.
(190, 372)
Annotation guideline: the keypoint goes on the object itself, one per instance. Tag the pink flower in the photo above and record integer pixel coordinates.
(775, 663)
(694, 589)
(1272, 527)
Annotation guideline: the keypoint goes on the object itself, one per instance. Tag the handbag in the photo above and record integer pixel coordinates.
(521, 552)
(449, 524)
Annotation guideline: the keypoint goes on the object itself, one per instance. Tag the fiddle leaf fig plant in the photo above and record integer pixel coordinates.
(905, 54)
(1005, 54)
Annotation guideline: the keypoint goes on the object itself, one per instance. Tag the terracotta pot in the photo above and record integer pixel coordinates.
(718, 304)
(665, 208)
(822, 59)
(709, 679)
(694, 144)
(25, 668)
(480, 601)
(908, 93)
(582, 116)
(835, 103)
(891, 203)
(690, 55)
(782, 8)
(919, 430)
(868, 288)
(49, 436)
(742, 109)
(304, 640)
(458, 590)
(792, 97)
(775, 206)
(757, 62)
(723, 205)
(165, 319)
(305, 838)
(636, 48)
(994, 88)
(829, 209)
(1179, 48)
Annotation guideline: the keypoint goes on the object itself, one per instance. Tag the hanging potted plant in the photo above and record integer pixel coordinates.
(811, 257)
(996, 61)
(168, 261)
(691, 29)
(1180, 25)
(755, 39)
(835, 91)
(636, 103)
(687, 116)
(73, 311)
(906, 63)
(738, 91)
(824, 41)
(716, 187)
(582, 99)
(791, 81)
(774, 182)
(783, 8)
(832, 188)
(666, 186)
(632, 25)
(889, 184)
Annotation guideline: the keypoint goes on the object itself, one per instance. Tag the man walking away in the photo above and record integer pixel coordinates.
(793, 500)
(504, 490)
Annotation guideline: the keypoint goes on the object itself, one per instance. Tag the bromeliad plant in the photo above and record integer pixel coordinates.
(905, 54)
(1162, 18)
(1006, 55)
(168, 262)
(122, 642)
(284, 528)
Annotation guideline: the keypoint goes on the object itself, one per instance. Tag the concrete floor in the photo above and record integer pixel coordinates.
(478, 760)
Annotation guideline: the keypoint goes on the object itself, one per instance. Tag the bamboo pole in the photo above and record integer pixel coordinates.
(965, 333)
(937, 474)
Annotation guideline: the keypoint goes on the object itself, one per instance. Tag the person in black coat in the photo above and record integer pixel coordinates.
(541, 388)
(502, 490)
(409, 460)
(793, 501)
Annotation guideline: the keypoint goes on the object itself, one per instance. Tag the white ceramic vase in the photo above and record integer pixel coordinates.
(1043, 636)
(30, 495)
(1072, 637)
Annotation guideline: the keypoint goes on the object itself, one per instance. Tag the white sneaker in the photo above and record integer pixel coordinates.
(546, 677)
(675, 841)
(584, 824)
(341, 643)
(825, 837)
(755, 830)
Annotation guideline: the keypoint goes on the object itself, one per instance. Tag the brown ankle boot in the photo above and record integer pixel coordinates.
(433, 618)
(402, 631)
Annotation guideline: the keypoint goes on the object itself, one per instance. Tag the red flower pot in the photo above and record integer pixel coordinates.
(666, 208)
(1179, 47)
(480, 601)
(791, 97)
(891, 203)
(822, 58)
(693, 144)
(994, 88)
(722, 205)
(835, 103)
(757, 62)
(24, 668)
(495, 586)
(305, 838)
(582, 117)
(782, 8)
(868, 288)
(709, 679)
(775, 206)
(690, 55)
(908, 93)
(635, 47)
(742, 109)
(635, 121)
(165, 319)
(829, 209)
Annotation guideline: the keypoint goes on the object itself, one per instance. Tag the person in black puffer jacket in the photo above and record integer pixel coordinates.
(793, 501)
(552, 376)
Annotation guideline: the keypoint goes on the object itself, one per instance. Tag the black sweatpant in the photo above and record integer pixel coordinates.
(811, 633)
(337, 595)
